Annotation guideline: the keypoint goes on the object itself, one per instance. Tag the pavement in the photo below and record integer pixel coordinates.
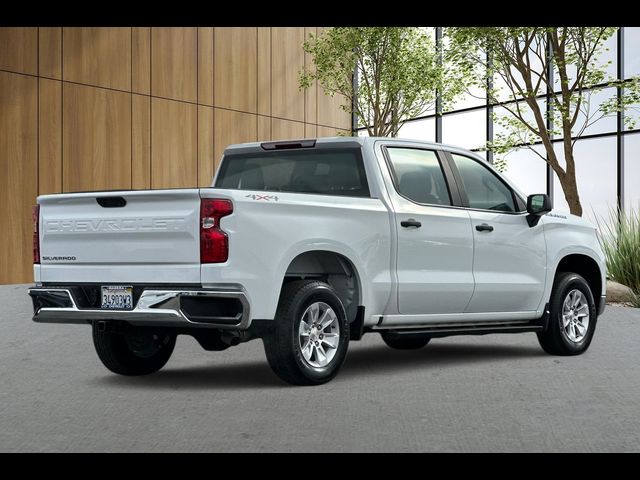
(463, 394)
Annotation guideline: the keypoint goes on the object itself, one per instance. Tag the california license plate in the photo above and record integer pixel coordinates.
(117, 297)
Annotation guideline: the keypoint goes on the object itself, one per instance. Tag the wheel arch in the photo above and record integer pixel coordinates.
(334, 268)
(585, 266)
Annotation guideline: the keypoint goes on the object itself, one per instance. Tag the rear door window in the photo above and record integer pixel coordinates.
(324, 172)
(418, 175)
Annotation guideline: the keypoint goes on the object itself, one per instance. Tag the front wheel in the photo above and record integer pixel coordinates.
(308, 341)
(572, 320)
(139, 351)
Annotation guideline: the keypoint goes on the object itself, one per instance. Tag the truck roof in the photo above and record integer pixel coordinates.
(338, 142)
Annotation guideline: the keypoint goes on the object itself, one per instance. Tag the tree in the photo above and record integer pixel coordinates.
(529, 62)
(397, 68)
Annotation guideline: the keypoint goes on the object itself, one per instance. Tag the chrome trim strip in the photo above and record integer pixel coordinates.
(154, 307)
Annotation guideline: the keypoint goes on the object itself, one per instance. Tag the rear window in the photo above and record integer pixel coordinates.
(323, 172)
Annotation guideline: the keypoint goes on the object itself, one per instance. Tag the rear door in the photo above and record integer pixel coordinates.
(435, 242)
(509, 261)
(131, 236)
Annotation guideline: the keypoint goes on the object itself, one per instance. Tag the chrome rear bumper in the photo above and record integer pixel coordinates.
(154, 308)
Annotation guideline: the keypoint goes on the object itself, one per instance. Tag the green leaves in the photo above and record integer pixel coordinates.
(398, 73)
(619, 236)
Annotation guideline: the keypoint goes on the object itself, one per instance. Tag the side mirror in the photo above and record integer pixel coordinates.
(537, 205)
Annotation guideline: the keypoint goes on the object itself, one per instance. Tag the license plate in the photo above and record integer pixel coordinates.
(117, 298)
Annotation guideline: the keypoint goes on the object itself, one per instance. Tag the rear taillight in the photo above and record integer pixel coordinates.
(214, 243)
(36, 233)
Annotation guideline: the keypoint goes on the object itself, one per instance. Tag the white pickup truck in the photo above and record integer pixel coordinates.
(309, 244)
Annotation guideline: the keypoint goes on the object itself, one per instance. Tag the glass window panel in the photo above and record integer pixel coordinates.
(631, 51)
(429, 111)
(466, 130)
(607, 59)
(632, 112)
(484, 189)
(591, 111)
(363, 133)
(503, 91)
(424, 129)
(430, 31)
(526, 170)
(527, 113)
(596, 176)
(473, 98)
(609, 56)
(418, 176)
(632, 171)
(322, 172)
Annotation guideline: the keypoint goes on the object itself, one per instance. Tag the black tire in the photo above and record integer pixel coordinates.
(554, 340)
(282, 344)
(135, 352)
(405, 341)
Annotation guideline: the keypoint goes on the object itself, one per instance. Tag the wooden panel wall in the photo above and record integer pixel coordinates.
(140, 142)
(287, 100)
(50, 52)
(232, 127)
(50, 136)
(19, 50)
(141, 60)
(173, 143)
(235, 67)
(118, 108)
(18, 178)
(96, 139)
(174, 63)
(97, 56)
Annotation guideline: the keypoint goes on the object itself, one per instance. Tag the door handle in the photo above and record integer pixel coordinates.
(410, 223)
(484, 227)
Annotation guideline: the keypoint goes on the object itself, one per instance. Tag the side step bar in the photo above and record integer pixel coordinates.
(447, 331)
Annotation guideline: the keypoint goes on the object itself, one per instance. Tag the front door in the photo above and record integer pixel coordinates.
(509, 262)
(435, 241)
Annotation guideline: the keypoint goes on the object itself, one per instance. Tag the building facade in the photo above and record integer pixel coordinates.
(607, 155)
(120, 108)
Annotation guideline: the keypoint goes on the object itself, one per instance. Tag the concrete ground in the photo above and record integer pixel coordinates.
(491, 393)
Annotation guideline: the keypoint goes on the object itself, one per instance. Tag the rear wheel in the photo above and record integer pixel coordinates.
(405, 341)
(140, 351)
(572, 320)
(310, 335)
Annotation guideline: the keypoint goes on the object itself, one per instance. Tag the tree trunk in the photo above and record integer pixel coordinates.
(570, 189)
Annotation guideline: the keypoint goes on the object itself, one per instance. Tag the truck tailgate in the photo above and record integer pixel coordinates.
(147, 236)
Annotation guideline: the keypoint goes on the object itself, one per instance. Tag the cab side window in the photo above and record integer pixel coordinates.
(485, 190)
(418, 175)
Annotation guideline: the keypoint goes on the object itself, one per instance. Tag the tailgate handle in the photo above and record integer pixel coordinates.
(111, 202)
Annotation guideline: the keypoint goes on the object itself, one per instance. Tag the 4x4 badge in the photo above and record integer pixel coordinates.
(262, 197)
